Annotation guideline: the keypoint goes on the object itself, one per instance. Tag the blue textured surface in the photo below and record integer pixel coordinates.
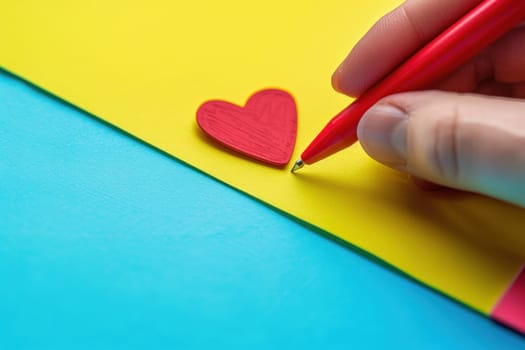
(106, 243)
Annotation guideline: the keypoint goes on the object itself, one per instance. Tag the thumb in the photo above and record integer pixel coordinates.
(469, 142)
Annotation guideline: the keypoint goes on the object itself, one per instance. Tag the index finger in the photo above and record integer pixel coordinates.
(393, 38)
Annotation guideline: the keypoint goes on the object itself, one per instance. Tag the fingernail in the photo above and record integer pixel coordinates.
(383, 134)
(340, 84)
(336, 78)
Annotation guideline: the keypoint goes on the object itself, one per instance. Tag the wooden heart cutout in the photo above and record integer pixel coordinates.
(264, 129)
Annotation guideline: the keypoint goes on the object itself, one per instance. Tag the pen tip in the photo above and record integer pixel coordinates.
(298, 165)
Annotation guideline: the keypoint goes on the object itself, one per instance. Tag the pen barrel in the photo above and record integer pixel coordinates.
(339, 133)
(471, 34)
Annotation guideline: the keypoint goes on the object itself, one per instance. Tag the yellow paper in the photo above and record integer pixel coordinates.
(145, 66)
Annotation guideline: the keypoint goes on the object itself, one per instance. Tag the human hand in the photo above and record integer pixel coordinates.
(470, 136)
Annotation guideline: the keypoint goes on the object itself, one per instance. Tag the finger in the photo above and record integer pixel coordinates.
(495, 88)
(498, 70)
(508, 57)
(414, 23)
(468, 142)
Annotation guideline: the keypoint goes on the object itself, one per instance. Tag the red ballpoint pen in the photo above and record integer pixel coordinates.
(456, 45)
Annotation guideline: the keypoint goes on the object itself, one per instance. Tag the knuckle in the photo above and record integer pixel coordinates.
(445, 155)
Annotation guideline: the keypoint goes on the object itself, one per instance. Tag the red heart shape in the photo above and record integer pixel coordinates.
(264, 129)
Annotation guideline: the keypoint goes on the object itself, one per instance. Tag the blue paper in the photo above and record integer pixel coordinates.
(106, 243)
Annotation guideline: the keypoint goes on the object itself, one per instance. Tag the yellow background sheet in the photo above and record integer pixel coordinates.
(146, 66)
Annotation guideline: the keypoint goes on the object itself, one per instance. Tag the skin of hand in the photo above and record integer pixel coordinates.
(468, 133)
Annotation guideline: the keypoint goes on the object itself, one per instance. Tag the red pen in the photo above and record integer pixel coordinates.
(469, 35)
